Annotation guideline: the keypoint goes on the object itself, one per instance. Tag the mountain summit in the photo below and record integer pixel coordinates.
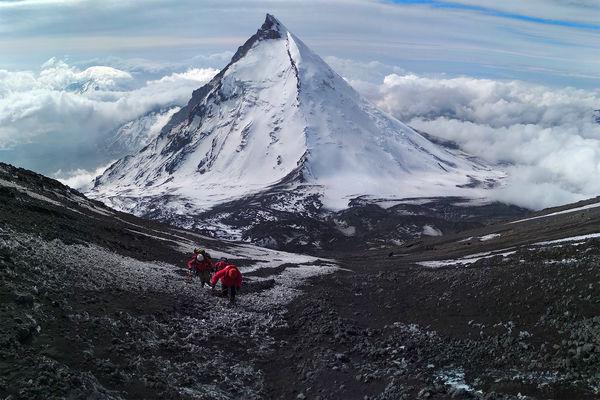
(277, 116)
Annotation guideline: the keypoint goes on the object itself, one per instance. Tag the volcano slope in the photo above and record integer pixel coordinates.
(510, 311)
(96, 304)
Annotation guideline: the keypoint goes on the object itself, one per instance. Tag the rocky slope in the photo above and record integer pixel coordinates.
(524, 326)
(509, 311)
(96, 304)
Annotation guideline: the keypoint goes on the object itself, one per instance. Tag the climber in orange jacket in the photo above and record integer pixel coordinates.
(231, 279)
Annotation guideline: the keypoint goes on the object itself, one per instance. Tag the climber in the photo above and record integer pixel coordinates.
(231, 280)
(201, 265)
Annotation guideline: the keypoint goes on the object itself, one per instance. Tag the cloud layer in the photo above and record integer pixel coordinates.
(60, 116)
(547, 138)
(80, 179)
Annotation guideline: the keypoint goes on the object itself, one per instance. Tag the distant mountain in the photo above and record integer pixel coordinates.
(99, 78)
(278, 129)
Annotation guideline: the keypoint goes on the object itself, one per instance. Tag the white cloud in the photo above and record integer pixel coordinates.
(547, 135)
(370, 71)
(62, 110)
(80, 179)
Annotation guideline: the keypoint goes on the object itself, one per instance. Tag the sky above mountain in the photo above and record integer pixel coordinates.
(554, 42)
(514, 82)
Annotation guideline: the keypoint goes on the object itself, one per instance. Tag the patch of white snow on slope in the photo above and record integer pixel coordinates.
(267, 258)
(262, 258)
(389, 203)
(491, 236)
(455, 378)
(30, 193)
(95, 209)
(95, 268)
(476, 202)
(569, 239)
(344, 228)
(470, 259)
(429, 230)
(571, 210)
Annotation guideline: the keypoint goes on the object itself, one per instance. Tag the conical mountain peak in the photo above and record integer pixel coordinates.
(271, 28)
(276, 115)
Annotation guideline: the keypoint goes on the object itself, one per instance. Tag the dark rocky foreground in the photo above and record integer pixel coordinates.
(95, 304)
(524, 326)
(500, 329)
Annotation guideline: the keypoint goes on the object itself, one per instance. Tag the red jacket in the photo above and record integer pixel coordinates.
(194, 264)
(225, 275)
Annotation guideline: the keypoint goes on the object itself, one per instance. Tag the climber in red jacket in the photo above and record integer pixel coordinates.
(231, 279)
(201, 265)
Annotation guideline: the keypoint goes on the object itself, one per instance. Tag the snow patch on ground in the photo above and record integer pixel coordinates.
(473, 202)
(29, 192)
(571, 210)
(466, 260)
(389, 203)
(95, 209)
(491, 236)
(429, 230)
(569, 239)
(345, 229)
(95, 268)
(455, 378)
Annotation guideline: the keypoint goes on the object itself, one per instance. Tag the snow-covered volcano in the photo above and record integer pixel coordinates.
(278, 116)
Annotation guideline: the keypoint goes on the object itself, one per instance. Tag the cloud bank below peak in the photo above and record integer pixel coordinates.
(69, 111)
(547, 138)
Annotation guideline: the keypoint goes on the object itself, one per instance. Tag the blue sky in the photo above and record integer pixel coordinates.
(505, 13)
(555, 42)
